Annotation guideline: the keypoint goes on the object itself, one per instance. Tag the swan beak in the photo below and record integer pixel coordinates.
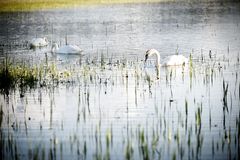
(146, 58)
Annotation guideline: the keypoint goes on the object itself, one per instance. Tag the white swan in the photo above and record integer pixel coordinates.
(66, 49)
(173, 60)
(39, 42)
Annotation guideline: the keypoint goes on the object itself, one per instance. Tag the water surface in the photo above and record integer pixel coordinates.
(117, 109)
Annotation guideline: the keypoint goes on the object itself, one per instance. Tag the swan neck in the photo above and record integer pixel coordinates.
(158, 71)
(158, 58)
(158, 64)
(55, 48)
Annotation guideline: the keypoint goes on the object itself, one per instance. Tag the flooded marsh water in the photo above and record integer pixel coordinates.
(108, 104)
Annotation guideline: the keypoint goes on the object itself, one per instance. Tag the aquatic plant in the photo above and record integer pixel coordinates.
(129, 151)
(1, 116)
(24, 77)
(225, 91)
(102, 61)
(12, 76)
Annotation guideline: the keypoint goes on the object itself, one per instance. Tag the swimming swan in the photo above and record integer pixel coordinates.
(38, 42)
(66, 49)
(173, 60)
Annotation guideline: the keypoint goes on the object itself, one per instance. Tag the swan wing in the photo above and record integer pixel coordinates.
(69, 49)
(38, 42)
(175, 60)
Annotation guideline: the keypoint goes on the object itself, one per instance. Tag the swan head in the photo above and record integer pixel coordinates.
(151, 52)
(45, 39)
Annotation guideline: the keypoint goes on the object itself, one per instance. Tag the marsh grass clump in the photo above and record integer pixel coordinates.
(6, 79)
(23, 77)
(12, 76)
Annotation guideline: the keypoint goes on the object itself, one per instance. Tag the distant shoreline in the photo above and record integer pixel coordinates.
(38, 5)
(35, 5)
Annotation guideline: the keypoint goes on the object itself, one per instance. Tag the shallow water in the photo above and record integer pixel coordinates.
(119, 110)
